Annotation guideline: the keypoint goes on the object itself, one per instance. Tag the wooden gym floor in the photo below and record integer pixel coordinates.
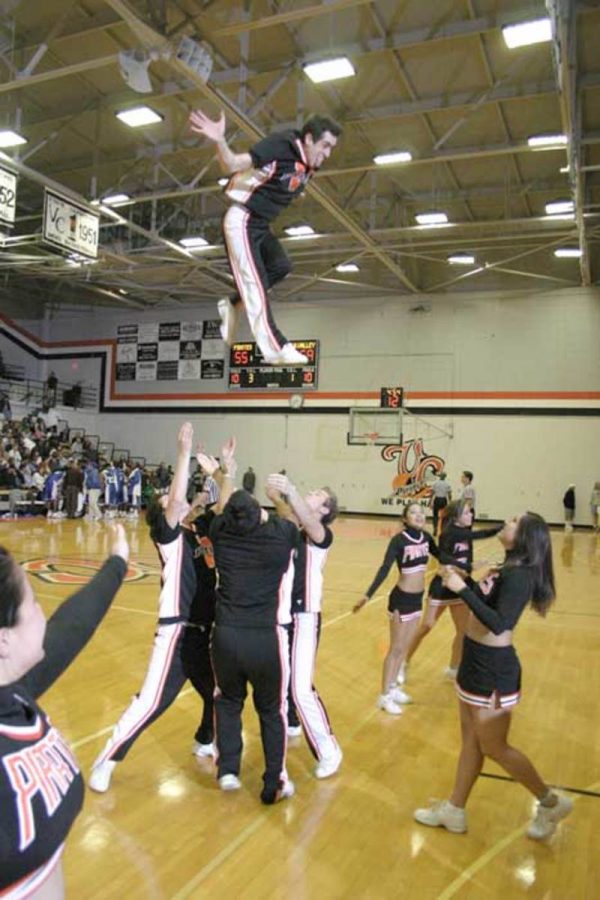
(164, 830)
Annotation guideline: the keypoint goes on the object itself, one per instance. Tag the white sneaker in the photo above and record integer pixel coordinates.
(546, 818)
(451, 672)
(294, 731)
(329, 764)
(228, 314)
(389, 705)
(101, 775)
(400, 696)
(202, 750)
(402, 674)
(287, 356)
(443, 814)
(288, 790)
(229, 783)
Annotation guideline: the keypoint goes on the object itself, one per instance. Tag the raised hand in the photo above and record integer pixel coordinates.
(280, 483)
(119, 545)
(359, 604)
(228, 454)
(185, 439)
(207, 463)
(201, 124)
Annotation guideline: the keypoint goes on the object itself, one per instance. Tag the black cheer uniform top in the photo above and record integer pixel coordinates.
(202, 610)
(410, 550)
(280, 173)
(499, 600)
(41, 788)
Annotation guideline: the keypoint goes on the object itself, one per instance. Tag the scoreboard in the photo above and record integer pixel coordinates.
(248, 370)
(391, 397)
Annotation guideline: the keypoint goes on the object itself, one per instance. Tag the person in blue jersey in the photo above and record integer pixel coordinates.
(410, 550)
(52, 492)
(41, 787)
(263, 182)
(489, 678)
(134, 490)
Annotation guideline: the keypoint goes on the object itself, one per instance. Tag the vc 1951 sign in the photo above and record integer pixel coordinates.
(69, 226)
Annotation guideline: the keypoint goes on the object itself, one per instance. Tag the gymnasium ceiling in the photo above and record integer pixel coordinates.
(433, 77)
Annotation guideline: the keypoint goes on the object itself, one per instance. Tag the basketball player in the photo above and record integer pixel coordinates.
(263, 182)
(410, 550)
(166, 674)
(489, 679)
(456, 540)
(314, 513)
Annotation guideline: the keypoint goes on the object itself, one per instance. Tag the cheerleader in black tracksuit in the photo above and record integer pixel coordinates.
(456, 540)
(489, 678)
(410, 550)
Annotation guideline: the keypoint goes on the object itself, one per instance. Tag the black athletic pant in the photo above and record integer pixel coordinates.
(257, 261)
(197, 666)
(258, 656)
(438, 504)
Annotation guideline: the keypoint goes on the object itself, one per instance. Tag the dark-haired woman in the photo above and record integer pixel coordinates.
(41, 788)
(456, 540)
(167, 671)
(410, 550)
(254, 556)
(489, 677)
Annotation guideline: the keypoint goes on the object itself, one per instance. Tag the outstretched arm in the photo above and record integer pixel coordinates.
(308, 518)
(73, 624)
(215, 131)
(177, 491)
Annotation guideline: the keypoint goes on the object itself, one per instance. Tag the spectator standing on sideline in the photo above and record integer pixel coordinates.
(569, 505)
(249, 480)
(468, 491)
(441, 494)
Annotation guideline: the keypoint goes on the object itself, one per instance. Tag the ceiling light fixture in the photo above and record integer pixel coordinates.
(138, 116)
(223, 181)
(347, 267)
(329, 69)
(547, 141)
(537, 31)
(10, 138)
(556, 207)
(395, 156)
(116, 199)
(432, 218)
(568, 253)
(461, 259)
(194, 243)
(298, 231)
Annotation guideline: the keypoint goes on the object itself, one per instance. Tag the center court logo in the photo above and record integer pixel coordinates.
(415, 470)
(74, 570)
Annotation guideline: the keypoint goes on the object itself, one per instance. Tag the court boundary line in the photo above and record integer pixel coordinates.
(583, 792)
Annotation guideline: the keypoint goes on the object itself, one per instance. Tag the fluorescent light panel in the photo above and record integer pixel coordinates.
(138, 116)
(330, 69)
(347, 267)
(563, 169)
(461, 259)
(192, 243)
(537, 31)
(299, 231)
(547, 141)
(568, 253)
(10, 138)
(395, 156)
(223, 181)
(116, 199)
(557, 207)
(432, 218)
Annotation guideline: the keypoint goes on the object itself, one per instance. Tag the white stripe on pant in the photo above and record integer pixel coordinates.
(309, 706)
(247, 279)
(164, 679)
